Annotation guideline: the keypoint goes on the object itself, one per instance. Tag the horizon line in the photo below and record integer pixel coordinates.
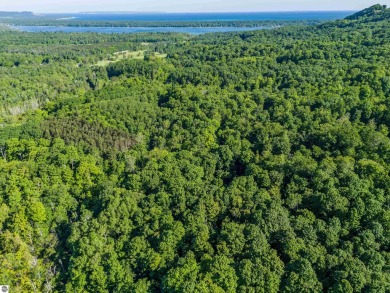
(171, 12)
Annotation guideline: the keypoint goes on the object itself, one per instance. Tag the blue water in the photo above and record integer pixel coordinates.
(247, 16)
(178, 17)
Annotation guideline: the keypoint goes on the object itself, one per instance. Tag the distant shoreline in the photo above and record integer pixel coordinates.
(132, 30)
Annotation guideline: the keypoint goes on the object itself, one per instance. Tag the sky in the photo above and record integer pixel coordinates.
(40, 6)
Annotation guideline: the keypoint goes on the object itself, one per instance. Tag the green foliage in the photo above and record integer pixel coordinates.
(242, 162)
(375, 11)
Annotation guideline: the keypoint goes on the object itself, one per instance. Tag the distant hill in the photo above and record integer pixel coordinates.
(370, 16)
(375, 12)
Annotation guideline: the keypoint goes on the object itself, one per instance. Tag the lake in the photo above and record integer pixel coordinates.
(176, 17)
(170, 17)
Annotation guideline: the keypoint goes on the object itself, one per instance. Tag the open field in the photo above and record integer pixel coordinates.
(118, 56)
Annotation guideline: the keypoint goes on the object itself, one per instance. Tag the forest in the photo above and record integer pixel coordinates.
(47, 21)
(233, 162)
(30, 19)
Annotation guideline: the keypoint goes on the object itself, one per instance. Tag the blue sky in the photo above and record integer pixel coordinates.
(184, 5)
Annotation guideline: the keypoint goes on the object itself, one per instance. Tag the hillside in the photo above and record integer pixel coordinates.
(240, 162)
(375, 12)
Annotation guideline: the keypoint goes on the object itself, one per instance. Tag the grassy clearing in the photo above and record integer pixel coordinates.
(118, 56)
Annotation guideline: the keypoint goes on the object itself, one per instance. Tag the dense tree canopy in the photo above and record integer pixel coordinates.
(241, 162)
